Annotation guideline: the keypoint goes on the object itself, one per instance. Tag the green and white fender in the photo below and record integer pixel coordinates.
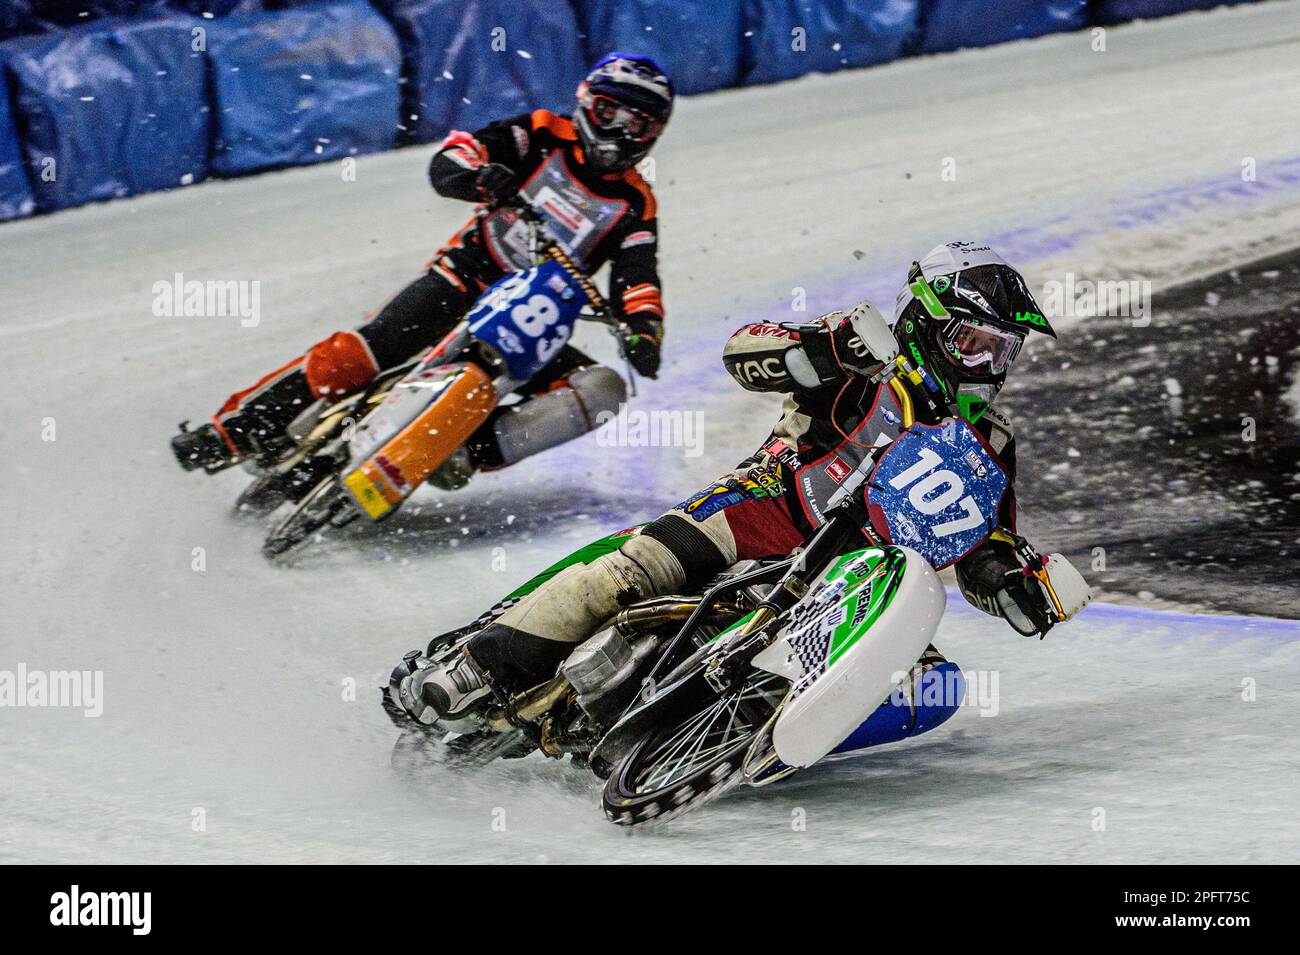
(866, 620)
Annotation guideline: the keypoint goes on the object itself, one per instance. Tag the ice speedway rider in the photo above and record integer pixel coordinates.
(961, 319)
(579, 171)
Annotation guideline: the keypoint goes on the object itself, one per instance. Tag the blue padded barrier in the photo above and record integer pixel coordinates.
(15, 192)
(16, 19)
(698, 43)
(106, 98)
(108, 109)
(469, 62)
(954, 24)
(302, 85)
(835, 34)
(1113, 11)
(218, 8)
(55, 14)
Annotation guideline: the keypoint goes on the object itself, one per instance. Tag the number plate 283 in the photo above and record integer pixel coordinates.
(528, 316)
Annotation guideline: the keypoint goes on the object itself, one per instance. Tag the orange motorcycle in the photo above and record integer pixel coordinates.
(378, 446)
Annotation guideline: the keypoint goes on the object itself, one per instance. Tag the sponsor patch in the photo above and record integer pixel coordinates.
(782, 453)
(392, 472)
(977, 467)
(560, 287)
(906, 531)
(756, 369)
(709, 501)
(509, 341)
(641, 237)
(837, 470)
(767, 330)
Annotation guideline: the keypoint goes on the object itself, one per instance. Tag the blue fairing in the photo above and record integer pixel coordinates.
(528, 316)
(939, 693)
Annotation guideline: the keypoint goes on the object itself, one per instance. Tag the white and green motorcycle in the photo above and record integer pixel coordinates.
(777, 664)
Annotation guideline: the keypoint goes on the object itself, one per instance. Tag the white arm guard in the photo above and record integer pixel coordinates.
(1066, 590)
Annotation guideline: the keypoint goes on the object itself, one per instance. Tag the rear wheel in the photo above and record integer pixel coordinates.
(693, 758)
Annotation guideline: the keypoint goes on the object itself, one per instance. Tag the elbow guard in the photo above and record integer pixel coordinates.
(756, 357)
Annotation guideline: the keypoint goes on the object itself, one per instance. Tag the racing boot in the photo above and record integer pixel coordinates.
(454, 688)
(204, 447)
(251, 424)
(430, 691)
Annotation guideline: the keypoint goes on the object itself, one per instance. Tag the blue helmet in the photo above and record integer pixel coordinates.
(623, 106)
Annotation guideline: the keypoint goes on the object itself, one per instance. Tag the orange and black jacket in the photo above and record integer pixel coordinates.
(523, 144)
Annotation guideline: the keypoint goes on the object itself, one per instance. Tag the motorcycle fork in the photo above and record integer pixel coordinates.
(722, 670)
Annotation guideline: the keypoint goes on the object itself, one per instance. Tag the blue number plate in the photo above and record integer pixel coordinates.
(528, 316)
(937, 490)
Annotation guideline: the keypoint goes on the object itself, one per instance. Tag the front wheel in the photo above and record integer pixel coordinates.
(328, 505)
(692, 759)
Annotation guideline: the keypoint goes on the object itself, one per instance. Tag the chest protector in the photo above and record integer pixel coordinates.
(576, 217)
(818, 481)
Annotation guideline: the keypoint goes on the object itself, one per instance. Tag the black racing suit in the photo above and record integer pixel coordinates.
(542, 149)
(601, 218)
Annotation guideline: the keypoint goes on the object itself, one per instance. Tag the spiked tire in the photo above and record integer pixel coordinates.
(694, 758)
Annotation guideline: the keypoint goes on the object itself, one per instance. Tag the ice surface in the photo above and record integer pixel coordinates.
(224, 690)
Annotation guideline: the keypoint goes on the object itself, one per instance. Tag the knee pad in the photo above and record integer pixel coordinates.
(665, 569)
(340, 365)
(559, 415)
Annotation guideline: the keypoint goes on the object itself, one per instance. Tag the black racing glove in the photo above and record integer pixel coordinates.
(1024, 605)
(834, 349)
(992, 579)
(642, 350)
(496, 182)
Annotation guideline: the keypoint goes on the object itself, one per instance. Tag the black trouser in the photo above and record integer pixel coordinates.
(415, 318)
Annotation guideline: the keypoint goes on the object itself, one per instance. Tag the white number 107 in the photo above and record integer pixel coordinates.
(935, 491)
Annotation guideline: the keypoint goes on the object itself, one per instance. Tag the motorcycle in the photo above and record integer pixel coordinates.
(776, 664)
(366, 454)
